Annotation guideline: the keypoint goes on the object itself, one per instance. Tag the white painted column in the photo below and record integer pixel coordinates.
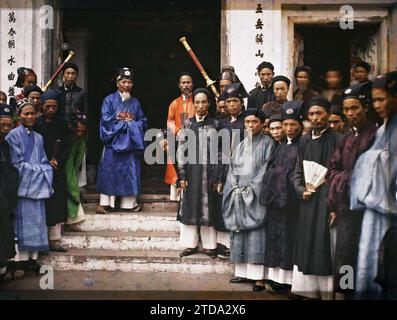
(240, 48)
(28, 18)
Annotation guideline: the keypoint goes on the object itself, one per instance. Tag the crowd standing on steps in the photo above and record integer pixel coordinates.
(291, 182)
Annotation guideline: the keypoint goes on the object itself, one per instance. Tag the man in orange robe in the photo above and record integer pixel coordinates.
(180, 109)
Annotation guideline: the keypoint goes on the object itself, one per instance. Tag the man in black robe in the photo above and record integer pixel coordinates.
(280, 86)
(359, 139)
(234, 125)
(72, 98)
(263, 93)
(56, 137)
(312, 274)
(280, 198)
(9, 180)
(196, 212)
(304, 90)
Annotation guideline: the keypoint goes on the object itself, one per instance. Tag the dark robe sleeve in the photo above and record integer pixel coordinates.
(66, 143)
(251, 103)
(299, 178)
(332, 177)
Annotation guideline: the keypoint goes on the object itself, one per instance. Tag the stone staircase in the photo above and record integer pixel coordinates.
(146, 241)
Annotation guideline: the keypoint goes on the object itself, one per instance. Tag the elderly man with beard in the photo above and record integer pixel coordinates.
(122, 129)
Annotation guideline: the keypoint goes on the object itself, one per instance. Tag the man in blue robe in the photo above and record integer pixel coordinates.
(35, 185)
(122, 129)
(373, 188)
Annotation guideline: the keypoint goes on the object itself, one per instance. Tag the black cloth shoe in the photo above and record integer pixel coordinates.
(240, 280)
(210, 252)
(188, 252)
(222, 252)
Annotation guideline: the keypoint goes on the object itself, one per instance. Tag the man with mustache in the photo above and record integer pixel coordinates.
(180, 110)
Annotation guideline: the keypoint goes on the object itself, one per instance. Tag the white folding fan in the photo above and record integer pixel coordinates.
(314, 175)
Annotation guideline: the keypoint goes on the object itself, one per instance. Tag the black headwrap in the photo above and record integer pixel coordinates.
(255, 112)
(319, 101)
(281, 78)
(70, 65)
(364, 65)
(387, 82)
(30, 89)
(22, 73)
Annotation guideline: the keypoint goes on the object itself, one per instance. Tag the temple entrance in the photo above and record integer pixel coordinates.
(144, 36)
(322, 45)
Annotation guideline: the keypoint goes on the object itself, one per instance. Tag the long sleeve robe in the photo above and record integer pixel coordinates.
(235, 131)
(35, 185)
(119, 169)
(375, 191)
(179, 111)
(259, 96)
(198, 201)
(243, 214)
(57, 129)
(279, 196)
(348, 223)
(313, 246)
(8, 199)
(72, 165)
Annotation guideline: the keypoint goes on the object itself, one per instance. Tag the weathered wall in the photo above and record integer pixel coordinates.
(239, 18)
(33, 39)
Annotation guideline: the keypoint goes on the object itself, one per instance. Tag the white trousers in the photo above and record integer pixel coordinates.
(3, 270)
(250, 271)
(312, 286)
(82, 175)
(127, 202)
(280, 275)
(223, 238)
(173, 193)
(25, 255)
(54, 232)
(190, 235)
(79, 218)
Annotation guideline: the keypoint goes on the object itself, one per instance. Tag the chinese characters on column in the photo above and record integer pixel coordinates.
(259, 35)
(11, 51)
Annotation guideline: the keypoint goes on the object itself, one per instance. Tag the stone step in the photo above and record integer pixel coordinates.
(146, 206)
(135, 261)
(144, 198)
(118, 241)
(130, 221)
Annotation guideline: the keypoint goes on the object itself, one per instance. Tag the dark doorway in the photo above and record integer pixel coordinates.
(143, 35)
(329, 45)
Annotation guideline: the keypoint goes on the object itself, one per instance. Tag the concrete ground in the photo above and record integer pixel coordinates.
(127, 285)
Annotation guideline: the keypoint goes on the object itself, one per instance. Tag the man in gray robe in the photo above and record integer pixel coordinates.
(243, 214)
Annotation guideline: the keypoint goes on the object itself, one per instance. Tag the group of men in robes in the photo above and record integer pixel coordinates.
(287, 232)
(42, 152)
